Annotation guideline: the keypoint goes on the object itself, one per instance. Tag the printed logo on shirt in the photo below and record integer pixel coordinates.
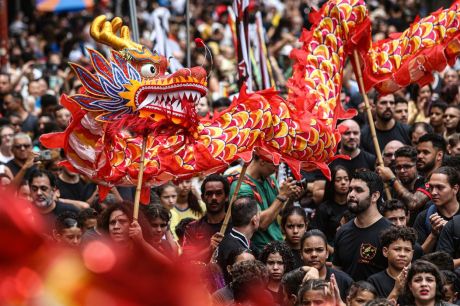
(367, 252)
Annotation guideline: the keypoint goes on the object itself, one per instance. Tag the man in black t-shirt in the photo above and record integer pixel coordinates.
(72, 187)
(22, 163)
(357, 246)
(386, 127)
(430, 152)
(398, 248)
(444, 185)
(43, 192)
(202, 236)
(449, 240)
(349, 145)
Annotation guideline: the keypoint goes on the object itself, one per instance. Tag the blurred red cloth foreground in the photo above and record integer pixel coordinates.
(34, 271)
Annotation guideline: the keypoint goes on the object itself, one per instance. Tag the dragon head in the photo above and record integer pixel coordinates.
(135, 81)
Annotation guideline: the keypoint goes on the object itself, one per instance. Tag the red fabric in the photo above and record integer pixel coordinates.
(417, 68)
(34, 269)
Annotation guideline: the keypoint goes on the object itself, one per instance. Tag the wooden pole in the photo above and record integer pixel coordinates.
(235, 194)
(139, 180)
(378, 153)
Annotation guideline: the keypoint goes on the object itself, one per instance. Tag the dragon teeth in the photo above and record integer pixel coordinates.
(170, 100)
(195, 95)
(147, 101)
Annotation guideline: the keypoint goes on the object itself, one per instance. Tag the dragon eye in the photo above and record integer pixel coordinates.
(148, 70)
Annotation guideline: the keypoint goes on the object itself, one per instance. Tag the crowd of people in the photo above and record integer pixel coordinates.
(375, 234)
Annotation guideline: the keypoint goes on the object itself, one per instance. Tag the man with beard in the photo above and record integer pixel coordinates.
(444, 185)
(430, 153)
(386, 127)
(43, 192)
(202, 236)
(357, 245)
(349, 145)
(401, 110)
(406, 182)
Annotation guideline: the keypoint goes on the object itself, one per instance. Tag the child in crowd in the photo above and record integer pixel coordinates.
(162, 237)
(398, 247)
(293, 225)
(278, 259)
(68, 230)
(360, 293)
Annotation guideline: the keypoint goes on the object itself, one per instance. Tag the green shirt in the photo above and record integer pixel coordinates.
(267, 191)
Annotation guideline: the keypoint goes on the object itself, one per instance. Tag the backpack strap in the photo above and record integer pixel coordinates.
(251, 184)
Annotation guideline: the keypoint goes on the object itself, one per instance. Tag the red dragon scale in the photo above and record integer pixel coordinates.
(428, 45)
(129, 96)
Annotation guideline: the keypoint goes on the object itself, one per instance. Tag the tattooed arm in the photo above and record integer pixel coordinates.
(414, 200)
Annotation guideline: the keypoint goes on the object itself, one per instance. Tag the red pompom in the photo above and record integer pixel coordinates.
(199, 42)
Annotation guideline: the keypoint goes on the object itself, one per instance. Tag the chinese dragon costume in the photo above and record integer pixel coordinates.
(130, 97)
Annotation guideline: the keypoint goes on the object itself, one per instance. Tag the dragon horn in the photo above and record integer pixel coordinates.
(105, 32)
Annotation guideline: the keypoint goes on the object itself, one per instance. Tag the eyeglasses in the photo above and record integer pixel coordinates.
(7, 135)
(389, 155)
(403, 167)
(22, 146)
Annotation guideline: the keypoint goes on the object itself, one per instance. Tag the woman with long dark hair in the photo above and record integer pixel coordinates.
(187, 203)
(294, 224)
(159, 218)
(329, 213)
(167, 193)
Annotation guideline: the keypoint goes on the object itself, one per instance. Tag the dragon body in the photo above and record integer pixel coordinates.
(129, 98)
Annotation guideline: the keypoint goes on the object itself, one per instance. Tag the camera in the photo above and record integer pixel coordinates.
(45, 155)
(302, 183)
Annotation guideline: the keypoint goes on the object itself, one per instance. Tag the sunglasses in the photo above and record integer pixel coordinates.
(22, 146)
